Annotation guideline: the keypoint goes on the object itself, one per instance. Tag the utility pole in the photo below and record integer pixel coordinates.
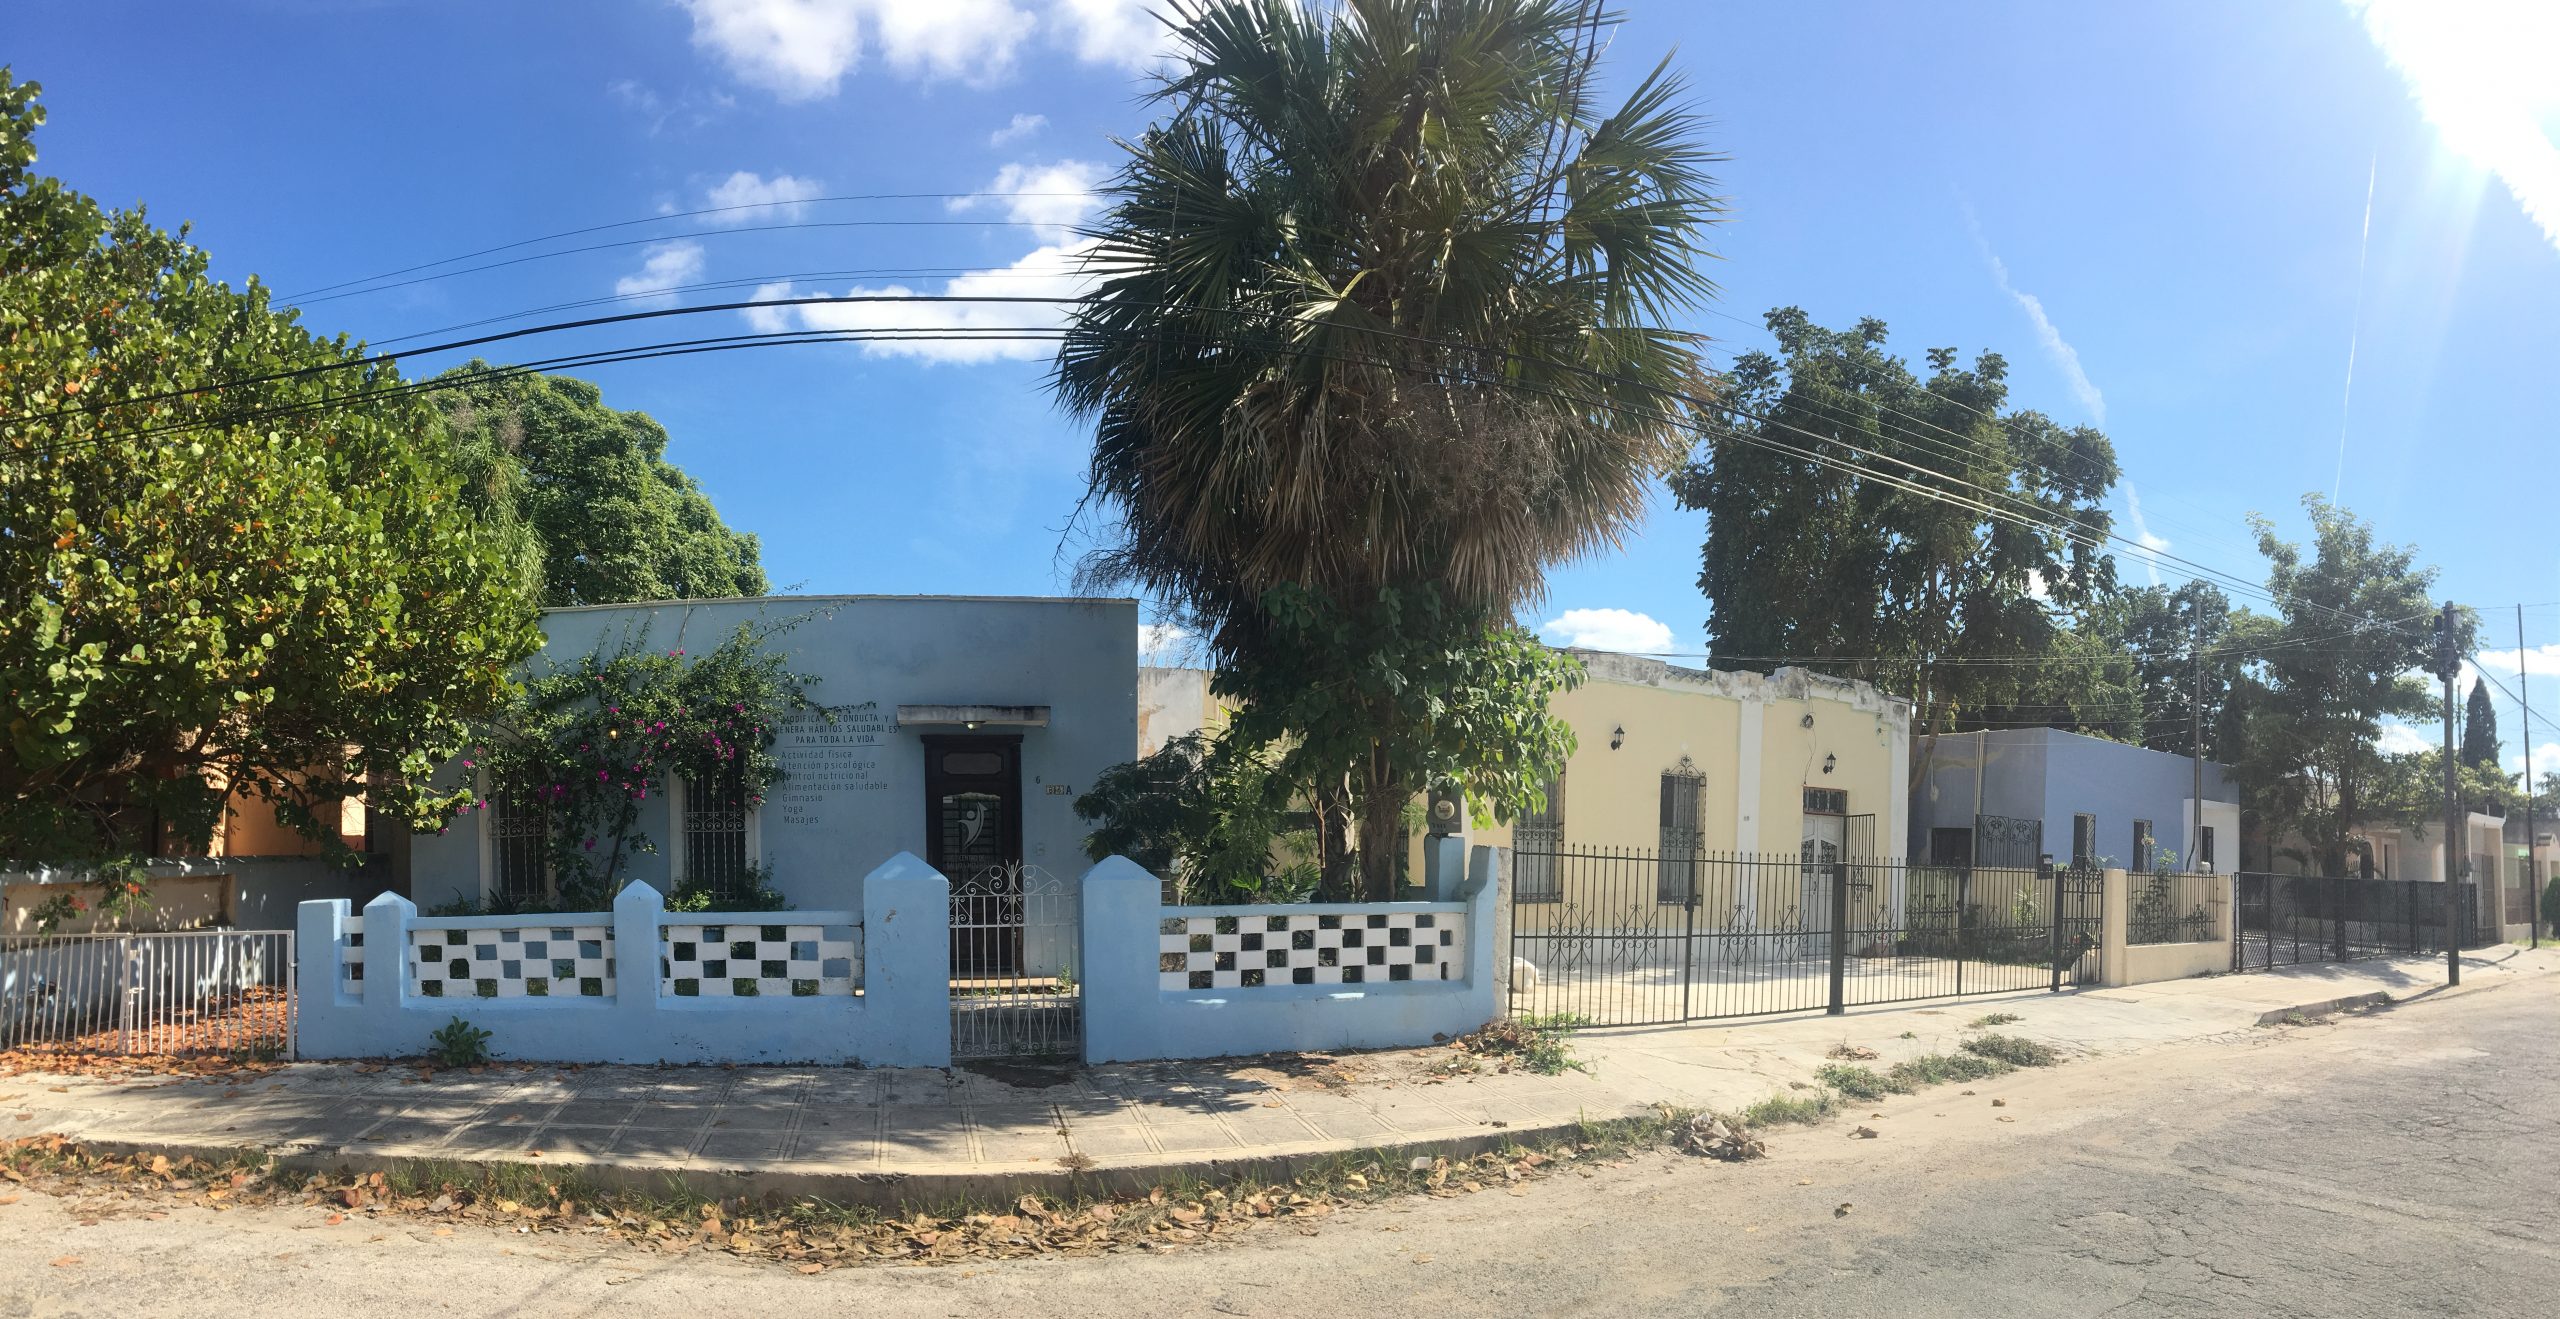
(2447, 662)
(2524, 697)
(2195, 732)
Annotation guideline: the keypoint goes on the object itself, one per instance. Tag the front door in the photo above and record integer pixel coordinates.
(973, 835)
(1826, 842)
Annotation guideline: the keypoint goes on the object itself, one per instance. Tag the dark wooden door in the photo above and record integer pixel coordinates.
(973, 835)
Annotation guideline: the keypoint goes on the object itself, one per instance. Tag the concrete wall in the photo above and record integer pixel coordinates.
(1173, 703)
(1129, 1014)
(856, 788)
(900, 1018)
(2050, 775)
(2124, 963)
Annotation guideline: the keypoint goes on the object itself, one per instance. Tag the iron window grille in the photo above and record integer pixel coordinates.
(1683, 816)
(1535, 839)
(715, 835)
(519, 846)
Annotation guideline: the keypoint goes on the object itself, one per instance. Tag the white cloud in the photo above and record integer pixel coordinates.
(1051, 198)
(1620, 630)
(2063, 354)
(2480, 71)
(694, 109)
(2142, 533)
(1023, 125)
(1054, 273)
(1160, 642)
(664, 266)
(747, 195)
(1123, 33)
(2546, 760)
(2544, 660)
(770, 320)
(801, 49)
(2401, 739)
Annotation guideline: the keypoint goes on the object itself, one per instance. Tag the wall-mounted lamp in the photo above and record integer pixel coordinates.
(971, 725)
(1830, 763)
(1617, 737)
(1807, 721)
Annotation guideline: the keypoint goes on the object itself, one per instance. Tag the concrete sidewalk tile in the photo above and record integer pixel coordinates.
(752, 1116)
(408, 1133)
(849, 1144)
(669, 1117)
(577, 1142)
(654, 1146)
(1110, 1140)
(1270, 1126)
(595, 1112)
(1344, 1120)
(1177, 1134)
(915, 1085)
(841, 1085)
(723, 1147)
(923, 1133)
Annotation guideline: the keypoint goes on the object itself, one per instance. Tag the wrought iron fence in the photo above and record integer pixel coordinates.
(1623, 936)
(1015, 931)
(192, 993)
(2288, 920)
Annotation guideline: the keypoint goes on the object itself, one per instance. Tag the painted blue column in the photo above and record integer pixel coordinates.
(1444, 868)
(637, 912)
(386, 979)
(322, 1013)
(1122, 1015)
(1482, 894)
(906, 964)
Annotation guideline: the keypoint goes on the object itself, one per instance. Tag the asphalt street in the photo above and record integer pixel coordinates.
(2406, 1162)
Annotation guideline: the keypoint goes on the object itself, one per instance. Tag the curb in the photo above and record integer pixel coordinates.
(889, 1190)
(2325, 1007)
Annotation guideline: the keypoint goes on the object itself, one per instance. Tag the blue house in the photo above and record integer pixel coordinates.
(2009, 796)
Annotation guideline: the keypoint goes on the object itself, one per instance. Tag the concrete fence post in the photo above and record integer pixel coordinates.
(1483, 896)
(2220, 895)
(906, 962)
(2115, 918)
(638, 910)
(386, 973)
(1121, 917)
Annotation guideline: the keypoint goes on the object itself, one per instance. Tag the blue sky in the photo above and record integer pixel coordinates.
(2157, 212)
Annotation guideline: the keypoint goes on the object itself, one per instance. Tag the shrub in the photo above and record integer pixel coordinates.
(458, 1043)
(2014, 1050)
(1940, 1068)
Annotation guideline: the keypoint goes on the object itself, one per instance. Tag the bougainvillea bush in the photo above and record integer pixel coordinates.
(591, 742)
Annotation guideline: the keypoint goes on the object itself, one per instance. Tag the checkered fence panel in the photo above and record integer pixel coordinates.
(351, 957)
(533, 961)
(1306, 948)
(759, 961)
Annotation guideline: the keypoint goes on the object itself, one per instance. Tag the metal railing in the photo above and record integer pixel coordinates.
(1631, 937)
(2288, 920)
(192, 993)
(1015, 932)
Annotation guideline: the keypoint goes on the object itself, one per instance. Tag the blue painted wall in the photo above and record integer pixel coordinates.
(858, 790)
(2051, 775)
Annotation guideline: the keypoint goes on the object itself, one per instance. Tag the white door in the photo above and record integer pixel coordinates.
(1826, 838)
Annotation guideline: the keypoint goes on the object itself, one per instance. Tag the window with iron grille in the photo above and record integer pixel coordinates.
(2204, 850)
(2084, 840)
(1826, 801)
(1535, 838)
(715, 835)
(2141, 845)
(1684, 802)
(519, 846)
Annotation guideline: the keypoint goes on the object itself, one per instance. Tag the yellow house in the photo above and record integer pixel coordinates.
(1678, 759)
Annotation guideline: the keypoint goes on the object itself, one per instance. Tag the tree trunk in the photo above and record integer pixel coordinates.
(1382, 840)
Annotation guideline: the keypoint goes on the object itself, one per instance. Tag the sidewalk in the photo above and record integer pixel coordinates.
(913, 1135)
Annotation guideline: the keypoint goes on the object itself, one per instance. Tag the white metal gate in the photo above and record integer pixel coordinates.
(1015, 935)
(191, 993)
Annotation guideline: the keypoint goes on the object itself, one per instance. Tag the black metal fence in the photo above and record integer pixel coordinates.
(1630, 937)
(2288, 920)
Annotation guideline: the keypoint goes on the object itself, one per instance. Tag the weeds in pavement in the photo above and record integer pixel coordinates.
(1533, 1042)
(458, 1044)
(1790, 1110)
(1863, 1084)
(1942, 1068)
(1995, 1019)
(2014, 1050)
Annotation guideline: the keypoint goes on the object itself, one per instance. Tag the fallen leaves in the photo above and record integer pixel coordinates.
(1712, 1137)
(1847, 1052)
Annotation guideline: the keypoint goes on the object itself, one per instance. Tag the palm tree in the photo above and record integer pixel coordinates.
(1384, 304)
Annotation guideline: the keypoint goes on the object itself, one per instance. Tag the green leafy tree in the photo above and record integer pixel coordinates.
(1807, 563)
(2353, 633)
(1385, 311)
(1214, 817)
(609, 519)
(2480, 727)
(2128, 669)
(275, 584)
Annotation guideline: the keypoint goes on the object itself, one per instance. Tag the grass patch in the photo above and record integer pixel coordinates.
(1790, 1110)
(1995, 1019)
(1534, 1042)
(2014, 1050)
(1943, 1068)
(1864, 1084)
